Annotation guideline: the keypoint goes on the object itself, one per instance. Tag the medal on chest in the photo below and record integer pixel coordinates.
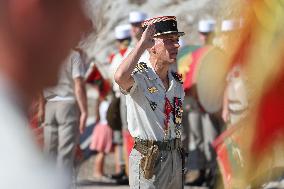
(177, 114)
(176, 110)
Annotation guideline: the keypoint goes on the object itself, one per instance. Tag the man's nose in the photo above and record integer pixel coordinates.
(177, 45)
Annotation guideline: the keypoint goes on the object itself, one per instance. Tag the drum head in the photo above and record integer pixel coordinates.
(211, 80)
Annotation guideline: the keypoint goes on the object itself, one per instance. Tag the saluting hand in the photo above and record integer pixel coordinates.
(147, 38)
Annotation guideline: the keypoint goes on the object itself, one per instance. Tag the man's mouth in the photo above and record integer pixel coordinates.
(173, 54)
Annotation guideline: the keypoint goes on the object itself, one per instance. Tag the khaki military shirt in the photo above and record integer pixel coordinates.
(146, 113)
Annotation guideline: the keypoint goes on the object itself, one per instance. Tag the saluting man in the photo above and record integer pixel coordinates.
(154, 96)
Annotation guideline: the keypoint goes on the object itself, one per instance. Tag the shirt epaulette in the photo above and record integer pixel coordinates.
(140, 67)
(178, 77)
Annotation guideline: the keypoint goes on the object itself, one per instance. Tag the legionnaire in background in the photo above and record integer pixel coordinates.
(66, 112)
(117, 106)
(135, 19)
(203, 126)
(154, 106)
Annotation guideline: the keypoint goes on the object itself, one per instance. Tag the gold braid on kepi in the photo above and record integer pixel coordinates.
(163, 25)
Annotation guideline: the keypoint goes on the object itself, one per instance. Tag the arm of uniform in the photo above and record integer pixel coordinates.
(123, 75)
(78, 73)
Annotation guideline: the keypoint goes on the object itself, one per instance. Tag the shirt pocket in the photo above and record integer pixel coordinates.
(153, 95)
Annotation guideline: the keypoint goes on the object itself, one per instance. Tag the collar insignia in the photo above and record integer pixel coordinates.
(177, 77)
(140, 67)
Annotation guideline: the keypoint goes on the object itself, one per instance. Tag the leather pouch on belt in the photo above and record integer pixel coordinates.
(147, 162)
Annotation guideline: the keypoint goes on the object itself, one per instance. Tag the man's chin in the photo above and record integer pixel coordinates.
(173, 60)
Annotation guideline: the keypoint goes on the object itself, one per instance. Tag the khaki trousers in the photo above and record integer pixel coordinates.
(61, 132)
(167, 171)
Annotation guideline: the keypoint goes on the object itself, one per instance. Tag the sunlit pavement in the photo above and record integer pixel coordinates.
(86, 171)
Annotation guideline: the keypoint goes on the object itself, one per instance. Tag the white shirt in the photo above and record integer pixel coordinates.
(103, 111)
(72, 68)
(116, 61)
(146, 105)
(22, 165)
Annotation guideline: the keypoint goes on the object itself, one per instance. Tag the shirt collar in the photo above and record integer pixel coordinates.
(150, 72)
(152, 75)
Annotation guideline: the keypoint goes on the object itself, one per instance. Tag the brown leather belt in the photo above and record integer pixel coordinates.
(168, 145)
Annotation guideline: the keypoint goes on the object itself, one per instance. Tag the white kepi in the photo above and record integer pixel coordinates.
(206, 26)
(122, 32)
(137, 17)
(230, 25)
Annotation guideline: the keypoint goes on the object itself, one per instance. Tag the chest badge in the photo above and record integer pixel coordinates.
(153, 105)
(152, 90)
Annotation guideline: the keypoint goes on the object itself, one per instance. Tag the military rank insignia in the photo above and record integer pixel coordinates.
(140, 67)
(177, 111)
(178, 77)
(153, 105)
(152, 90)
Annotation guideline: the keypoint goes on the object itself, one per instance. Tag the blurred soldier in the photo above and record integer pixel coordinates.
(66, 112)
(235, 103)
(206, 31)
(123, 38)
(154, 106)
(229, 30)
(35, 37)
(135, 19)
(203, 127)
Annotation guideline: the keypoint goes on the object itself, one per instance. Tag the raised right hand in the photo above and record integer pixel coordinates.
(147, 39)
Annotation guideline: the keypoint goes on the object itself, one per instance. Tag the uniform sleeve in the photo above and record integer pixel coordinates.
(134, 87)
(138, 77)
(78, 69)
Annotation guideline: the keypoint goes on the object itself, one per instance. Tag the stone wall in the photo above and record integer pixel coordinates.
(107, 14)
